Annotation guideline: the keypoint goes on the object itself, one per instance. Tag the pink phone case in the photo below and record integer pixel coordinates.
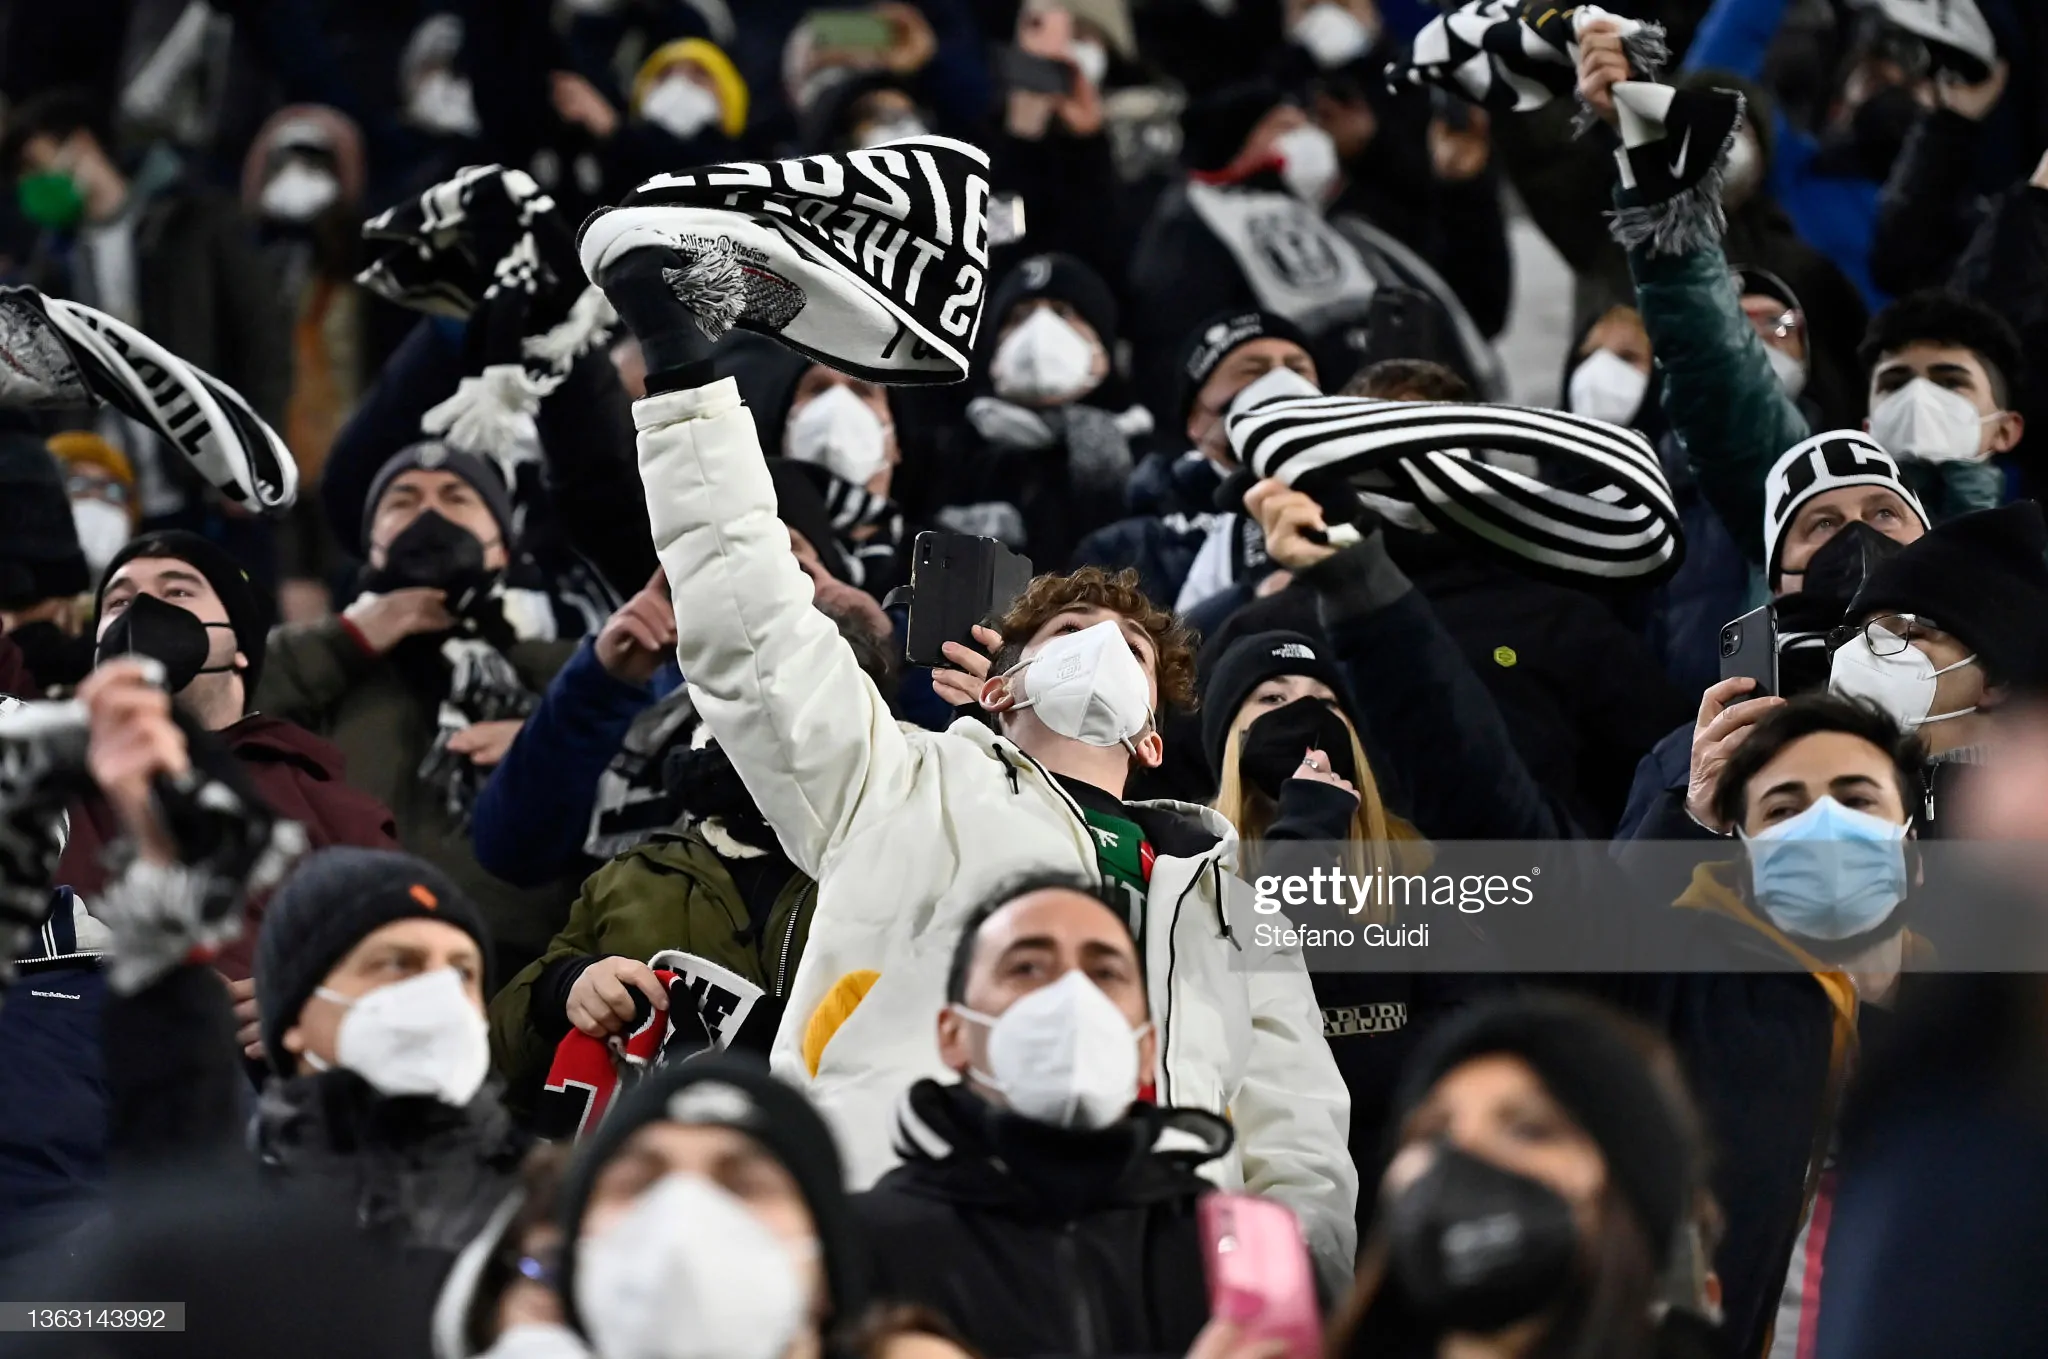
(1259, 1271)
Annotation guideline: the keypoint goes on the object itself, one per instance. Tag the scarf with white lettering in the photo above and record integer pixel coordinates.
(1596, 505)
(55, 352)
(1516, 55)
(873, 261)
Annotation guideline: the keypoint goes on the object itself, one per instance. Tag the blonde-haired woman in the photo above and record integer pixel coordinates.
(1288, 760)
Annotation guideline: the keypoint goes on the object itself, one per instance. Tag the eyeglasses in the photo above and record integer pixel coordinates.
(1780, 327)
(1888, 634)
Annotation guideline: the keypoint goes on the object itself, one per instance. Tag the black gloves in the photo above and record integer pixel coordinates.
(674, 346)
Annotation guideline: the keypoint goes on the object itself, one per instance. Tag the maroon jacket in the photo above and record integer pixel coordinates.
(298, 773)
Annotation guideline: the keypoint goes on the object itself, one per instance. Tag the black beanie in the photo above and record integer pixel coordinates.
(1210, 343)
(431, 455)
(331, 902)
(1582, 1054)
(39, 554)
(729, 1090)
(1250, 662)
(1062, 278)
(1214, 127)
(247, 613)
(1982, 578)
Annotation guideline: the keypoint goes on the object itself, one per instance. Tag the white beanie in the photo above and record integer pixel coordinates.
(1826, 462)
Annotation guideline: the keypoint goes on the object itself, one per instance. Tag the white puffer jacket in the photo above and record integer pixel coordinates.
(905, 830)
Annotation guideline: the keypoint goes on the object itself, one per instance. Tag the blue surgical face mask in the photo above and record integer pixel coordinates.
(1830, 872)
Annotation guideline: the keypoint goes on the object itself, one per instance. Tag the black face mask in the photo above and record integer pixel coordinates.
(434, 553)
(1475, 1248)
(1272, 746)
(166, 633)
(1839, 566)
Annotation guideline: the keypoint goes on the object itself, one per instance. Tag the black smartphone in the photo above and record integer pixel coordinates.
(1035, 75)
(1400, 323)
(1749, 646)
(956, 581)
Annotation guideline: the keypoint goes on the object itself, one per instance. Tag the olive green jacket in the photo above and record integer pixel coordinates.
(318, 675)
(673, 892)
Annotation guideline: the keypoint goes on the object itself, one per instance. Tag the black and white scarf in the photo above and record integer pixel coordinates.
(873, 261)
(1598, 505)
(488, 246)
(57, 353)
(633, 797)
(1516, 55)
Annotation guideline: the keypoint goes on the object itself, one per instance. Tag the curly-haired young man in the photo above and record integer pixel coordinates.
(905, 830)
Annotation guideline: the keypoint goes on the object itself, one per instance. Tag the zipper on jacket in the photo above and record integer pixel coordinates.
(789, 939)
(1070, 1284)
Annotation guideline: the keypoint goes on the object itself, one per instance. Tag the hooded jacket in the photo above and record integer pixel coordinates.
(905, 831)
(674, 892)
(299, 775)
(1036, 1240)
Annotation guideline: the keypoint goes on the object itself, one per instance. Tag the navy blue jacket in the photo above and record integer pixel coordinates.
(53, 1089)
(530, 820)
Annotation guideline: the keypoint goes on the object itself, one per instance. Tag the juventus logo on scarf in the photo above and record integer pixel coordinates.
(1598, 506)
(54, 352)
(874, 262)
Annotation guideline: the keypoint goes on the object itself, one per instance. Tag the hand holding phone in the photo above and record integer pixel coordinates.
(1260, 1278)
(1749, 649)
(956, 581)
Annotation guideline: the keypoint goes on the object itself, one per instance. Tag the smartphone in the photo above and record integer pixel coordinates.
(1258, 1270)
(850, 30)
(1036, 75)
(956, 581)
(1749, 646)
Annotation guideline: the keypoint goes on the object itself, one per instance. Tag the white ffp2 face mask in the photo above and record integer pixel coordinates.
(1607, 387)
(840, 432)
(1043, 362)
(298, 192)
(1063, 1054)
(688, 1272)
(1901, 685)
(1933, 424)
(1308, 163)
(1088, 687)
(420, 1036)
(1791, 372)
(1331, 34)
(103, 530)
(680, 107)
(1092, 58)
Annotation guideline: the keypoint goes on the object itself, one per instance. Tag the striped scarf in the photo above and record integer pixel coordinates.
(1516, 55)
(55, 352)
(1597, 505)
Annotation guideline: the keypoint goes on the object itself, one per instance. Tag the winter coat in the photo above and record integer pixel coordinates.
(202, 288)
(532, 818)
(1581, 696)
(1037, 1240)
(1766, 1052)
(318, 674)
(426, 1173)
(53, 1091)
(299, 775)
(905, 830)
(1172, 513)
(1728, 409)
(674, 892)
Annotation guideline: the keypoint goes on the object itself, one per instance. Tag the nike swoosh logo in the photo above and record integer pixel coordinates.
(1684, 147)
